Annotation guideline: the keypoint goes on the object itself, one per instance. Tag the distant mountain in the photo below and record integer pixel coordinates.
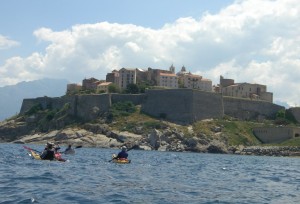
(11, 97)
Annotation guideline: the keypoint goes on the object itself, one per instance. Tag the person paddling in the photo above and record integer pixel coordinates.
(57, 147)
(122, 154)
(48, 153)
(69, 148)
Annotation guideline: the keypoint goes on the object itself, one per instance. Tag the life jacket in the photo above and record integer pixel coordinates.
(122, 155)
(47, 155)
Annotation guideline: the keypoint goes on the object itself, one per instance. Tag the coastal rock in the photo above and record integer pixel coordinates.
(154, 138)
(217, 147)
(144, 147)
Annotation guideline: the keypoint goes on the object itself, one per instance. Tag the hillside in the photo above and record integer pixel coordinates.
(125, 124)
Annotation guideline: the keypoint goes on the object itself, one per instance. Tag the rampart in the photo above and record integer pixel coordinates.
(295, 112)
(136, 99)
(89, 107)
(275, 134)
(246, 109)
(47, 102)
(178, 105)
(182, 105)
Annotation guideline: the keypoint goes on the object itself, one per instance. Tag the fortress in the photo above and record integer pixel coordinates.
(183, 106)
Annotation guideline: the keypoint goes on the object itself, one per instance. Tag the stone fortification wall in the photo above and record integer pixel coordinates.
(136, 99)
(58, 103)
(170, 104)
(28, 103)
(178, 105)
(47, 102)
(182, 105)
(246, 109)
(295, 112)
(275, 134)
(89, 107)
(207, 105)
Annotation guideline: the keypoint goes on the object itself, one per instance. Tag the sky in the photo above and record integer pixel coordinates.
(254, 41)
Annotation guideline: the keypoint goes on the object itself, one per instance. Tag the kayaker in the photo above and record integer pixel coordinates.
(57, 147)
(48, 153)
(123, 154)
(69, 148)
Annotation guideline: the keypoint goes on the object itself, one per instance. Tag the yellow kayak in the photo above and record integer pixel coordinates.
(120, 161)
(34, 155)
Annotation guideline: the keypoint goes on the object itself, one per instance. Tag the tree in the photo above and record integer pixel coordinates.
(132, 89)
(143, 86)
(112, 88)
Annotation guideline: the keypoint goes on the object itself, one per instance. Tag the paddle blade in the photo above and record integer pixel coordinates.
(25, 147)
(78, 146)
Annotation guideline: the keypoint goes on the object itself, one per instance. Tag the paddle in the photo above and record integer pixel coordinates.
(77, 147)
(30, 149)
(131, 148)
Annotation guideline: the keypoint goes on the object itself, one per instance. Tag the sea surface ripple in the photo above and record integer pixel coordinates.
(151, 177)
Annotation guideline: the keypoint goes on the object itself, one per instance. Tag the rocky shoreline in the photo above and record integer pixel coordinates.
(95, 135)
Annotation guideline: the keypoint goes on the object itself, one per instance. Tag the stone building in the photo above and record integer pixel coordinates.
(103, 87)
(73, 88)
(90, 84)
(113, 77)
(245, 90)
(153, 74)
(127, 76)
(131, 76)
(193, 81)
(167, 80)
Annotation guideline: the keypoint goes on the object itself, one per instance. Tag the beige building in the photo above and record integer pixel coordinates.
(245, 90)
(127, 76)
(73, 88)
(131, 76)
(167, 80)
(152, 74)
(113, 77)
(196, 82)
(103, 87)
(90, 84)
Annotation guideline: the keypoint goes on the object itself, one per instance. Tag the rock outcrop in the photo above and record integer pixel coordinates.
(157, 140)
(101, 134)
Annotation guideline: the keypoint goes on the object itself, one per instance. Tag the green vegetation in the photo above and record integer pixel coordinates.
(137, 88)
(49, 118)
(235, 132)
(291, 142)
(132, 89)
(284, 117)
(232, 131)
(120, 109)
(34, 109)
(125, 120)
(113, 88)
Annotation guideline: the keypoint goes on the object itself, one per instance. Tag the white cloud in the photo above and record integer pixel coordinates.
(249, 41)
(6, 43)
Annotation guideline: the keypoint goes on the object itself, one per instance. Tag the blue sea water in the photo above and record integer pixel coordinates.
(151, 177)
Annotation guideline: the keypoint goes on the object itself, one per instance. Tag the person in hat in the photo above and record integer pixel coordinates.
(48, 153)
(123, 154)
